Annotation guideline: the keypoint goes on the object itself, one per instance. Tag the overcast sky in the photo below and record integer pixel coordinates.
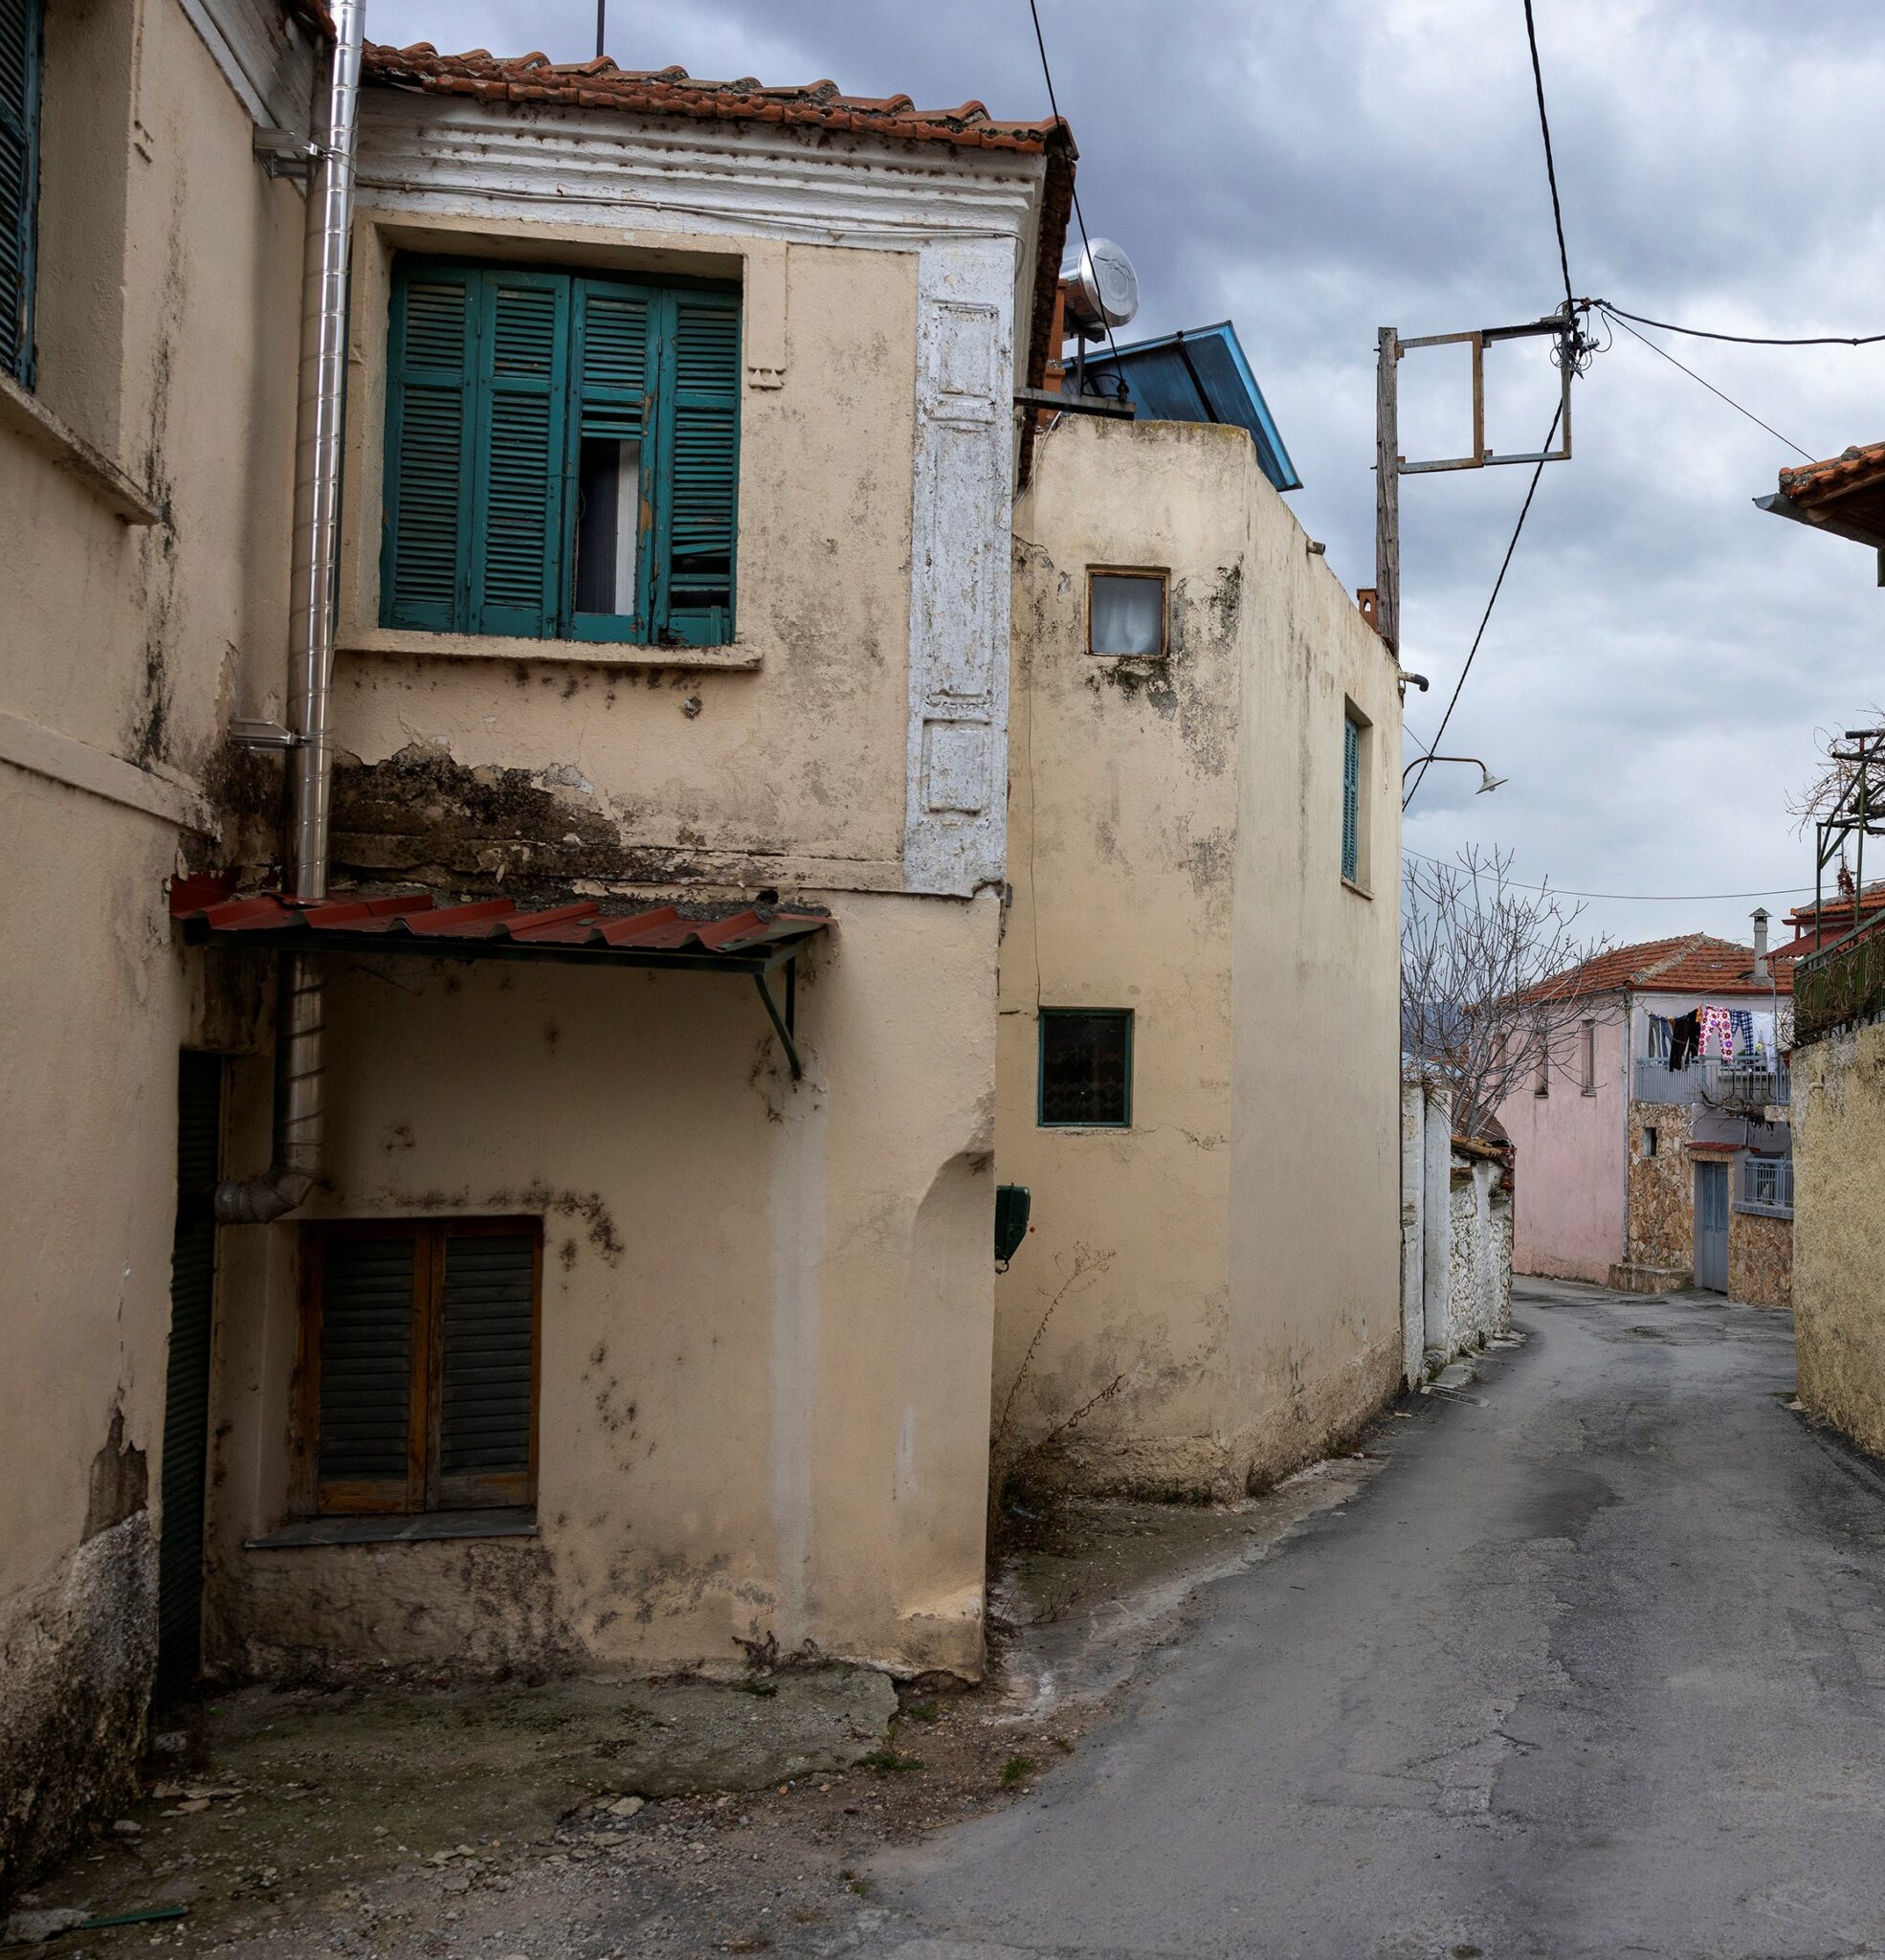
(1663, 654)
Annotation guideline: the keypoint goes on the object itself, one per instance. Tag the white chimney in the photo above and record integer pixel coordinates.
(1760, 943)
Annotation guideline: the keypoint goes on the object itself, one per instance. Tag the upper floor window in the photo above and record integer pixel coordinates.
(1354, 797)
(1086, 1068)
(20, 39)
(1587, 1057)
(562, 455)
(1125, 612)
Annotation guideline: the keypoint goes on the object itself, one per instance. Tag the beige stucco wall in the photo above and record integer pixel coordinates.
(765, 1318)
(167, 329)
(1175, 849)
(1839, 1255)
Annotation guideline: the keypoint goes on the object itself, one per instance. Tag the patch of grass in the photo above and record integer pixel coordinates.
(763, 1689)
(924, 1711)
(887, 1762)
(1016, 1771)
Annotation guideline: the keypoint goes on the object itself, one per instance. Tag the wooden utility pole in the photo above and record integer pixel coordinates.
(1388, 492)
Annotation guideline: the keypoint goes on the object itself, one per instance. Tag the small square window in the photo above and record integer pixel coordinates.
(1086, 1068)
(1127, 614)
(1650, 1140)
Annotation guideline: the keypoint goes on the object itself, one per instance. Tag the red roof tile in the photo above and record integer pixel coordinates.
(1690, 963)
(739, 938)
(599, 85)
(1815, 483)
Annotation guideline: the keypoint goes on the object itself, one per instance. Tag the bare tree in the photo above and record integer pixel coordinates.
(1490, 977)
(1841, 758)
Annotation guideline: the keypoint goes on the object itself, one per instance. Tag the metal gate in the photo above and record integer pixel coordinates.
(187, 1387)
(1712, 1227)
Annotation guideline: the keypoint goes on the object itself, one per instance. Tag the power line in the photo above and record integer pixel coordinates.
(1047, 74)
(1610, 313)
(1505, 566)
(1746, 340)
(1550, 166)
(1642, 898)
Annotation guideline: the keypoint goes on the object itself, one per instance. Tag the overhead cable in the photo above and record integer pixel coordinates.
(1746, 340)
(1505, 565)
(1611, 314)
(1080, 217)
(1799, 891)
(1550, 165)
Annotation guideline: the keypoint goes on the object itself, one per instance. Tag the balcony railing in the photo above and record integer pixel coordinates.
(1765, 1183)
(1723, 1084)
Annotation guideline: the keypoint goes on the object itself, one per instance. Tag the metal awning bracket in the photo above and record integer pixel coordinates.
(787, 1023)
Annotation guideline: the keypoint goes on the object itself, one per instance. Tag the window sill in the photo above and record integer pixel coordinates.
(1360, 891)
(23, 412)
(576, 652)
(1754, 1211)
(399, 1527)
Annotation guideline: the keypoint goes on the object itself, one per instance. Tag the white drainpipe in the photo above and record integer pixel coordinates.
(299, 1018)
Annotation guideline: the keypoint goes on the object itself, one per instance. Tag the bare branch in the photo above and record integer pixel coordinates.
(1489, 982)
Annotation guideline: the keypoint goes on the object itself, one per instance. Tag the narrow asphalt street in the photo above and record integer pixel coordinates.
(1596, 1667)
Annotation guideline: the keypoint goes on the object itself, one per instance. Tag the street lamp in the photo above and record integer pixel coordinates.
(1487, 780)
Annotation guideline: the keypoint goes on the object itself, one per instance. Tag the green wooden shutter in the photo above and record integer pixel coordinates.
(425, 554)
(698, 486)
(19, 180)
(369, 1302)
(1351, 799)
(613, 327)
(487, 1337)
(520, 502)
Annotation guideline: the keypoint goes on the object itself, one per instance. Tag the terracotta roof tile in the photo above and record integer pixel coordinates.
(1815, 483)
(1690, 963)
(599, 85)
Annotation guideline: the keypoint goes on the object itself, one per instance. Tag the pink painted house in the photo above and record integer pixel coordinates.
(1644, 1166)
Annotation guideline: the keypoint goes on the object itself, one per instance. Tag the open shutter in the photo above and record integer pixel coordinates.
(1351, 799)
(519, 501)
(370, 1304)
(19, 176)
(487, 1331)
(614, 384)
(699, 464)
(425, 558)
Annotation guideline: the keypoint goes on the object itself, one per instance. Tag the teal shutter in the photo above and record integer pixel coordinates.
(1351, 799)
(614, 385)
(698, 487)
(19, 180)
(520, 502)
(425, 554)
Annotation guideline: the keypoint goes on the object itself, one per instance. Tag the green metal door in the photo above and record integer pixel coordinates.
(187, 1391)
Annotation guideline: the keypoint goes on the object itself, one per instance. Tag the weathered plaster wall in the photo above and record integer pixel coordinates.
(1175, 850)
(766, 1308)
(1569, 1217)
(166, 334)
(1662, 1189)
(1759, 1259)
(1838, 1252)
(1479, 1270)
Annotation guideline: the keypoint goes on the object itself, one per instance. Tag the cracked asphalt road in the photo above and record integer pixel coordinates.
(1597, 1667)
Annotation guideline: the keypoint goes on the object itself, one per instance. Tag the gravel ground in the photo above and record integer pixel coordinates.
(461, 1820)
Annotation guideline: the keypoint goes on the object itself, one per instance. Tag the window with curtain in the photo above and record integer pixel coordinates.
(1086, 1068)
(21, 22)
(562, 455)
(419, 1362)
(1125, 612)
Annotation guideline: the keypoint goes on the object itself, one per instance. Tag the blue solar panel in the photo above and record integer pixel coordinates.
(1200, 375)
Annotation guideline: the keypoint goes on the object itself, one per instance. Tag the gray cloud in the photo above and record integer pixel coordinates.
(1662, 654)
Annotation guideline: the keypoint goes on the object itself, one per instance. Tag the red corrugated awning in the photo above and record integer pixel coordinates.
(745, 940)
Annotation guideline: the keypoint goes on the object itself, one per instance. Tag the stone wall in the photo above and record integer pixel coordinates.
(1662, 1189)
(1838, 1252)
(1759, 1259)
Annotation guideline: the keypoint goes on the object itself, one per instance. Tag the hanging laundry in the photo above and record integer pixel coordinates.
(1717, 1033)
(1658, 1038)
(1743, 1024)
(1684, 1040)
(1763, 1039)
